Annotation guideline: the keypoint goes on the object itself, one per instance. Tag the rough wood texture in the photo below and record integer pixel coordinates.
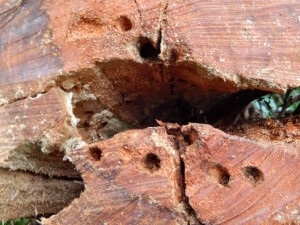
(224, 178)
(117, 65)
(177, 51)
(252, 42)
(247, 43)
(33, 127)
(133, 178)
(232, 180)
(25, 195)
(34, 133)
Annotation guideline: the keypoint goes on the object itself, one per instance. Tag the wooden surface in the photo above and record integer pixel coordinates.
(119, 65)
(28, 195)
(249, 44)
(33, 133)
(200, 48)
(34, 127)
(243, 43)
(232, 180)
(133, 178)
(199, 172)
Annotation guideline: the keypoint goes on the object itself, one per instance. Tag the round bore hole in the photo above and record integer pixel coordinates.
(253, 174)
(187, 139)
(96, 152)
(152, 162)
(124, 23)
(147, 49)
(220, 174)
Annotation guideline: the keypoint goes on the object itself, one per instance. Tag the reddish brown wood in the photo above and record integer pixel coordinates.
(36, 126)
(133, 178)
(227, 179)
(34, 133)
(205, 47)
(232, 180)
(120, 64)
(248, 44)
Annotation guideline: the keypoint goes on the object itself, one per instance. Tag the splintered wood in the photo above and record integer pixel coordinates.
(75, 73)
(142, 58)
(233, 180)
(33, 127)
(34, 133)
(153, 176)
(27, 195)
(133, 178)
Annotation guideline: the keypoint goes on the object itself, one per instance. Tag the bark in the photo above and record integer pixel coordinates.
(73, 75)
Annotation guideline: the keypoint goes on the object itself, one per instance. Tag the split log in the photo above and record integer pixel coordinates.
(160, 175)
(33, 127)
(233, 180)
(74, 74)
(132, 178)
(34, 133)
(143, 57)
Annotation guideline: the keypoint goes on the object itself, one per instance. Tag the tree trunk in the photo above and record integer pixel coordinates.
(77, 78)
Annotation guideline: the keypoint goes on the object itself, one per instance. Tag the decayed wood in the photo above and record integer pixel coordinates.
(26, 195)
(227, 179)
(143, 58)
(133, 178)
(117, 65)
(33, 127)
(34, 133)
(245, 43)
(233, 180)
(177, 51)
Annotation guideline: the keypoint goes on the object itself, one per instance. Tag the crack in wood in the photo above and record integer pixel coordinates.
(9, 14)
(139, 12)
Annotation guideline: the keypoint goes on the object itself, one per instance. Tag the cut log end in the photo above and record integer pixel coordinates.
(75, 79)
(211, 177)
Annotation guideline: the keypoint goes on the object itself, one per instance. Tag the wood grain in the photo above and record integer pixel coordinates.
(203, 174)
(141, 61)
(251, 44)
(124, 185)
(221, 45)
(27, 195)
(34, 127)
(233, 180)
